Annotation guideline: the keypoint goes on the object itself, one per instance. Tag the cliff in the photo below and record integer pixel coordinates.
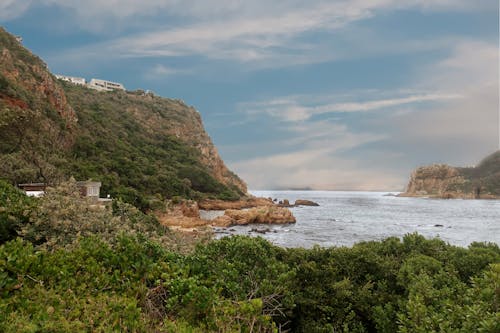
(143, 148)
(443, 181)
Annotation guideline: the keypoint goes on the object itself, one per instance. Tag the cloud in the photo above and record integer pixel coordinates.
(457, 123)
(12, 8)
(265, 33)
(215, 10)
(159, 72)
(291, 108)
(316, 169)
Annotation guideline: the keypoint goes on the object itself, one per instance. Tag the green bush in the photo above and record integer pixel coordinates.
(15, 210)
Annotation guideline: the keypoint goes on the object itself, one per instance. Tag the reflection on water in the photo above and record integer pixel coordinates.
(345, 218)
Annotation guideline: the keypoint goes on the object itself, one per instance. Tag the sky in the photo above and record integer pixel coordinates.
(329, 95)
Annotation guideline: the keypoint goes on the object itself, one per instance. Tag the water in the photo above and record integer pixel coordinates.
(345, 218)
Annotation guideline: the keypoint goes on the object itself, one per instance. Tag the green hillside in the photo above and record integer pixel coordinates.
(486, 174)
(143, 148)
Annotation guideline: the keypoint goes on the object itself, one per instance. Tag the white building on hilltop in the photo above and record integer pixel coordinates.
(72, 79)
(104, 85)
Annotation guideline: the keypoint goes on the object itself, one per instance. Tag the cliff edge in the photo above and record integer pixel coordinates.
(142, 147)
(444, 181)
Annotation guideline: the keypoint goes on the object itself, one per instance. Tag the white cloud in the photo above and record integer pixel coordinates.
(219, 9)
(160, 71)
(258, 31)
(12, 8)
(316, 169)
(459, 126)
(292, 108)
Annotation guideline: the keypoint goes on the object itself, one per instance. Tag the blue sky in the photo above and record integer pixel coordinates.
(321, 94)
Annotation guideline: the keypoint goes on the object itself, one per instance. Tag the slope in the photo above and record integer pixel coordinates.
(142, 147)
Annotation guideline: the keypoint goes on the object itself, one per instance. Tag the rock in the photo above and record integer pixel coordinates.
(447, 182)
(260, 231)
(185, 214)
(305, 203)
(222, 221)
(262, 215)
(439, 225)
(248, 202)
(189, 208)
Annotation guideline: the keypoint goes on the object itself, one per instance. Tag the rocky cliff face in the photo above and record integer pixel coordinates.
(443, 181)
(435, 180)
(31, 102)
(173, 117)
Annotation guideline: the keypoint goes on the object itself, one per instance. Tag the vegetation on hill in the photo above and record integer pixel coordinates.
(143, 148)
(486, 174)
(137, 159)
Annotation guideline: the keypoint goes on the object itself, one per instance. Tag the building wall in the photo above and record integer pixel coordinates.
(72, 79)
(104, 85)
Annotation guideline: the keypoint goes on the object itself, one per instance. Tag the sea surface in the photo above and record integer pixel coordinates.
(345, 218)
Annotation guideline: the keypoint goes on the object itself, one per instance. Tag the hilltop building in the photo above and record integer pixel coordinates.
(104, 85)
(97, 84)
(72, 79)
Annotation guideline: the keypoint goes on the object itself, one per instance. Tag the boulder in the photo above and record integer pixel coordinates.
(249, 202)
(305, 203)
(262, 215)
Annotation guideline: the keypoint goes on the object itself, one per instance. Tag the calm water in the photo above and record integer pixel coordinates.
(345, 218)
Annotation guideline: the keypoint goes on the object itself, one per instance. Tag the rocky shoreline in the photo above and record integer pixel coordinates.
(185, 216)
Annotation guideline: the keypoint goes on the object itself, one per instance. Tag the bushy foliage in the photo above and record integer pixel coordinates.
(62, 216)
(15, 209)
(243, 284)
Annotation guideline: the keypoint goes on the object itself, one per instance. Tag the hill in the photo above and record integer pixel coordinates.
(443, 181)
(140, 146)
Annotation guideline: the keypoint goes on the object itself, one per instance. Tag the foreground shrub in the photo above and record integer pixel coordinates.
(243, 284)
(15, 209)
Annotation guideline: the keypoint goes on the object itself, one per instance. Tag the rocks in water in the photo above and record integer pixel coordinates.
(186, 214)
(298, 202)
(260, 231)
(439, 225)
(301, 202)
(262, 215)
(211, 204)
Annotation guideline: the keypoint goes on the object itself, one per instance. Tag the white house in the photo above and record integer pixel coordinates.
(72, 79)
(104, 85)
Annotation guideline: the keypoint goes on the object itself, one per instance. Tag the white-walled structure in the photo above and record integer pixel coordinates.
(72, 79)
(105, 85)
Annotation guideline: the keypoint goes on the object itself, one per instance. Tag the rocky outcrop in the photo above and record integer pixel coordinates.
(302, 202)
(435, 180)
(27, 75)
(182, 215)
(444, 181)
(186, 215)
(298, 202)
(247, 202)
(184, 123)
(261, 215)
(37, 122)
